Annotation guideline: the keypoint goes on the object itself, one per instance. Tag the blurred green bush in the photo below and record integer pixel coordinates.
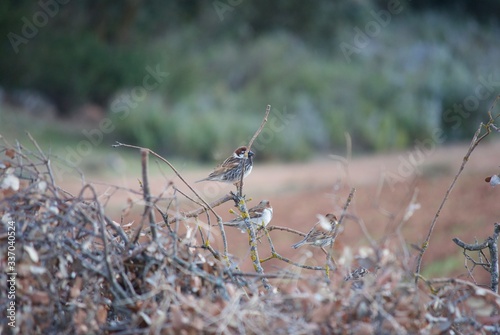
(394, 91)
(223, 71)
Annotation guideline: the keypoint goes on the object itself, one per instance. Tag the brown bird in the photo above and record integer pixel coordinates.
(322, 234)
(259, 215)
(230, 170)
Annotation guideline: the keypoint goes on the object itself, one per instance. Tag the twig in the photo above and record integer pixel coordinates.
(289, 230)
(474, 143)
(119, 144)
(242, 206)
(252, 241)
(492, 244)
(219, 219)
(198, 211)
(45, 160)
(268, 110)
(329, 258)
(379, 306)
(249, 146)
(120, 293)
(118, 229)
(347, 203)
(165, 219)
(175, 231)
(267, 275)
(148, 210)
(275, 255)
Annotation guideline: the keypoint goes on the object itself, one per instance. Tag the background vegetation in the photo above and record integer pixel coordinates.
(226, 62)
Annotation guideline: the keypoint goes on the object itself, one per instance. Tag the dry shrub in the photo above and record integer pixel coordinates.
(79, 272)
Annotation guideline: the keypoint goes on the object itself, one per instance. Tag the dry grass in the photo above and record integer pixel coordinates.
(79, 271)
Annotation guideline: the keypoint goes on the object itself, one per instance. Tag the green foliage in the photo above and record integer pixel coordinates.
(392, 93)
(83, 69)
(398, 88)
(194, 129)
(78, 54)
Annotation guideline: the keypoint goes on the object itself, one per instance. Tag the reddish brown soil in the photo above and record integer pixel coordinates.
(298, 192)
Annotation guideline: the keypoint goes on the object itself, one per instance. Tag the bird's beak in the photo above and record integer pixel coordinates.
(250, 154)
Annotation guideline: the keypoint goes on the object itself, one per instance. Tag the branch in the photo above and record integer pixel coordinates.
(341, 219)
(148, 210)
(254, 253)
(45, 160)
(116, 288)
(219, 219)
(492, 244)
(198, 211)
(242, 206)
(289, 230)
(118, 144)
(274, 254)
(474, 143)
(249, 146)
(264, 121)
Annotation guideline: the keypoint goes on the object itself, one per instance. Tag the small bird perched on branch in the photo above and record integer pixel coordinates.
(322, 234)
(230, 170)
(259, 215)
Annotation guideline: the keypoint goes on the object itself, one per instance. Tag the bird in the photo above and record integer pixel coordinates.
(259, 215)
(230, 170)
(357, 274)
(322, 234)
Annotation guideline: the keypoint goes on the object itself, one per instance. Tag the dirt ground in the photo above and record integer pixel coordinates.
(385, 186)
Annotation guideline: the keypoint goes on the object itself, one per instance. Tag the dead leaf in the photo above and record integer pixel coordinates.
(10, 153)
(76, 289)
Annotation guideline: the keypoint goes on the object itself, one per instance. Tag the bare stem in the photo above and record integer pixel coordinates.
(249, 146)
(45, 160)
(219, 219)
(254, 253)
(200, 210)
(474, 143)
(275, 255)
(329, 259)
(492, 244)
(148, 209)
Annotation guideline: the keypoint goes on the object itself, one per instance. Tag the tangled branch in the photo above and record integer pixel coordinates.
(491, 243)
(477, 138)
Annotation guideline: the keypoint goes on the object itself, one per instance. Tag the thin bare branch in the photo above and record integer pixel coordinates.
(219, 219)
(491, 243)
(249, 146)
(474, 143)
(329, 258)
(148, 209)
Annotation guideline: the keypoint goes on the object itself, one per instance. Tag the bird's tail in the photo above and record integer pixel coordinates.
(297, 245)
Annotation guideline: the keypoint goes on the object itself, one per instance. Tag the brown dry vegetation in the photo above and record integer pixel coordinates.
(78, 272)
(301, 191)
